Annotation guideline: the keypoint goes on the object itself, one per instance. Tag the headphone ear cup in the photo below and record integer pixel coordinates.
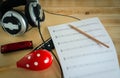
(27, 14)
(31, 9)
(14, 22)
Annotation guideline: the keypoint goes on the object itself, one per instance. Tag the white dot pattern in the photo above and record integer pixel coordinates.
(38, 55)
(27, 65)
(46, 60)
(36, 63)
(29, 57)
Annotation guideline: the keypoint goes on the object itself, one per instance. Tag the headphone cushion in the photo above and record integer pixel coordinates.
(27, 14)
(24, 17)
(14, 22)
(31, 9)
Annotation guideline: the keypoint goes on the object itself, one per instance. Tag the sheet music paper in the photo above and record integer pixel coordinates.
(80, 56)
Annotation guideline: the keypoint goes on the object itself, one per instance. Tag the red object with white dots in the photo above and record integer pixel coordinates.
(36, 60)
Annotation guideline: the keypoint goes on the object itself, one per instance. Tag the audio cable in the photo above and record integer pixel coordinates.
(40, 33)
(62, 15)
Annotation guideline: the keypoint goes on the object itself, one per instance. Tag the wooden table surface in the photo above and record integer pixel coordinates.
(108, 12)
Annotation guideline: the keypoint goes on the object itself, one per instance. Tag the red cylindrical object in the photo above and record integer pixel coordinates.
(16, 46)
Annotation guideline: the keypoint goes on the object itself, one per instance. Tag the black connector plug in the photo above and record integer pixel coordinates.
(48, 45)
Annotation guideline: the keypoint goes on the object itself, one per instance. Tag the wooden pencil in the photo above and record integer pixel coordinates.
(88, 35)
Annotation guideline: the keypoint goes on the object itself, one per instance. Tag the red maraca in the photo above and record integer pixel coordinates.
(36, 60)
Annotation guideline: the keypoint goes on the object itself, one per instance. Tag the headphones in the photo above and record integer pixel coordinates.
(15, 22)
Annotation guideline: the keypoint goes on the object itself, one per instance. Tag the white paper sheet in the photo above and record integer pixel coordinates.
(80, 56)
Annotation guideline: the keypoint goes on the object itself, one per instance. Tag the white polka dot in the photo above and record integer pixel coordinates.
(36, 63)
(38, 55)
(29, 57)
(46, 60)
(27, 65)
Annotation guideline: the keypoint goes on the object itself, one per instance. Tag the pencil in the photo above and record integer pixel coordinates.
(89, 36)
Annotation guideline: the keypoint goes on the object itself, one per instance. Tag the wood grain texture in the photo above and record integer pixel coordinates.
(107, 10)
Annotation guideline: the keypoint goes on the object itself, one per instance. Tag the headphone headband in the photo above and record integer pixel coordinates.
(15, 22)
(6, 5)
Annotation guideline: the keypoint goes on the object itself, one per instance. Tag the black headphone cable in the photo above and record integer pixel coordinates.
(61, 15)
(39, 29)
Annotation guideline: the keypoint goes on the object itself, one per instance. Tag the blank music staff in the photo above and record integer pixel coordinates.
(81, 57)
